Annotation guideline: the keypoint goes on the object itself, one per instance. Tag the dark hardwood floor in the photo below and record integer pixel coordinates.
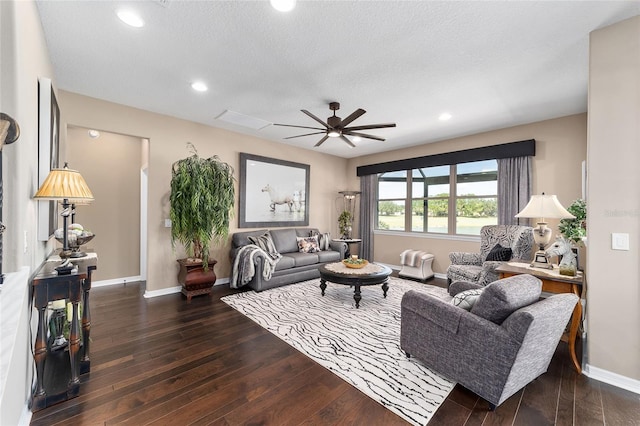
(163, 361)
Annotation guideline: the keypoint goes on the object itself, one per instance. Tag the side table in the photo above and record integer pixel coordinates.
(349, 242)
(553, 282)
(57, 372)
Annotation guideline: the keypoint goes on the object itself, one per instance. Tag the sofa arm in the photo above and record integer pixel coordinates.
(432, 309)
(489, 274)
(339, 246)
(462, 258)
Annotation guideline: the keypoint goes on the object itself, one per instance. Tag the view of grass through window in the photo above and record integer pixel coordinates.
(458, 199)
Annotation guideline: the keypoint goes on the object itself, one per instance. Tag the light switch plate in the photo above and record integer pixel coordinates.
(167, 223)
(619, 241)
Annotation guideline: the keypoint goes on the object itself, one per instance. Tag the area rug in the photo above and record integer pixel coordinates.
(362, 346)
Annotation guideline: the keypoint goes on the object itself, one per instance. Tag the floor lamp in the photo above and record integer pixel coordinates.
(541, 207)
(67, 186)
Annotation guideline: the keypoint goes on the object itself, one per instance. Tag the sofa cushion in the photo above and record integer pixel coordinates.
(285, 240)
(265, 242)
(499, 254)
(308, 244)
(285, 262)
(466, 299)
(500, 298)
(302, 259)
(328, 256)
(324, 239)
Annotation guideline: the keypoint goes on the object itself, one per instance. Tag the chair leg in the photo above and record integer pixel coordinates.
(408, 354)
(492, 407)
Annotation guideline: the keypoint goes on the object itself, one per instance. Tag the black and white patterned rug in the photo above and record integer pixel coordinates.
(362, 346)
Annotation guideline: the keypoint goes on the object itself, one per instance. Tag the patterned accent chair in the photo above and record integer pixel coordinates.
(498, 346)
(473, 267)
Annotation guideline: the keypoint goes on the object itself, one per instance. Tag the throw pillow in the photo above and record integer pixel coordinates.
(503, 297)
(499, 254)
(466, 299)
(323, 239)
(308, 245)
(265, 242)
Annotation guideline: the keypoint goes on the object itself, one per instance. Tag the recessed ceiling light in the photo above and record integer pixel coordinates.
(283, 5)
(199, 86)
(444, 116)
(93, 134)
(129, 17)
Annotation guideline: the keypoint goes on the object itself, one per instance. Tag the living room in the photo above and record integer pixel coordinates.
(602, 136)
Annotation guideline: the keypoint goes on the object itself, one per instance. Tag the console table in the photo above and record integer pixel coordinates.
(57, 373)
(553, 282)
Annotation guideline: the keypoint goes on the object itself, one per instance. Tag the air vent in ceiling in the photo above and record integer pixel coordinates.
(243, 120)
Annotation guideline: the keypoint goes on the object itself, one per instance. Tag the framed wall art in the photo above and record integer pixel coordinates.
(48, 153)
(273, 193)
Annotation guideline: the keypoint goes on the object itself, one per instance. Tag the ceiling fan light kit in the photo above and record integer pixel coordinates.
(336, 127)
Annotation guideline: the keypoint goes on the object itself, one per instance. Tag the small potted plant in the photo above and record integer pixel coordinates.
(575, 230)
(344, 224)
(201, 203)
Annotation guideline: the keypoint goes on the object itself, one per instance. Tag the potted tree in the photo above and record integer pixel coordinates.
(201, 203)
(344, 224)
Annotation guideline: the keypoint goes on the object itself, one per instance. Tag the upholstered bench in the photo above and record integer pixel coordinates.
(416, 264)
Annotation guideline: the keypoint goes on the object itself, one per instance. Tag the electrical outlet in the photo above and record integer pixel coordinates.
(167, 223)
(619, 241)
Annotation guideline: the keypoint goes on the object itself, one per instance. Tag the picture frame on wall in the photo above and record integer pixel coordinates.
(273, 192)
(48, 153)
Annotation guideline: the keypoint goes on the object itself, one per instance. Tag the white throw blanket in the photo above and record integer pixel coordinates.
(244, 265)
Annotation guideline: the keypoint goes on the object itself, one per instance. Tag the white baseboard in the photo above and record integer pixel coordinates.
(25, 417)
(614, 379)
(115, 281)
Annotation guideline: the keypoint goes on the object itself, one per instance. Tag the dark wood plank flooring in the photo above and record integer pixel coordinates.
(163, 361)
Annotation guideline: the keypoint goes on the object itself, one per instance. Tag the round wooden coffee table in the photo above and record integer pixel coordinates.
(354, 278)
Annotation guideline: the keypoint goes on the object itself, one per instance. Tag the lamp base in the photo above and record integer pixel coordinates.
(540, 260)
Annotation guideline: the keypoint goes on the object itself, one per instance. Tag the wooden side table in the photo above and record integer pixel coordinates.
(553, 282)
(57, 372)
(349, 242)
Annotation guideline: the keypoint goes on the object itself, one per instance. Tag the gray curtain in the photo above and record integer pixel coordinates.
(367, 215)
(514, 189)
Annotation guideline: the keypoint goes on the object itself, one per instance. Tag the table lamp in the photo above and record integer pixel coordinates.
(541, 207)
(68, 186)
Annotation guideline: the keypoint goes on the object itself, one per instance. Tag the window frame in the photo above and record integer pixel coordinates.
(453, 198)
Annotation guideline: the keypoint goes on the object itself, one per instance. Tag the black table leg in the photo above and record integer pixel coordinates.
(323, 285)
(356, 296)
(385, 287)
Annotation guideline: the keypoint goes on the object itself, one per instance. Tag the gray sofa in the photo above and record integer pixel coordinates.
(293, 266)
(504, 341)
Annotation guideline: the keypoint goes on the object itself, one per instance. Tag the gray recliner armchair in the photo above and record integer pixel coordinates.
(474, 267)
(502, 343)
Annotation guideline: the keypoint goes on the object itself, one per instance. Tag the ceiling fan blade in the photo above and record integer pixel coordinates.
(347, 141)
(308, 134)
(315, 118)
(321, 141)
(357, 113)
(299, 127)
(363, 135)
(371, 126)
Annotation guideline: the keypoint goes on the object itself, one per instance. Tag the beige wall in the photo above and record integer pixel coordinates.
(561, 146)
(110, 164)
(613, 202)
(167, 139)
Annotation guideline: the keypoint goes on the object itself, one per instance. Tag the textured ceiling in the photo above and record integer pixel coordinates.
(490, 64)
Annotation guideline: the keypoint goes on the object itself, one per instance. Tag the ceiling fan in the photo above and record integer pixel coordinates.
(335, 127)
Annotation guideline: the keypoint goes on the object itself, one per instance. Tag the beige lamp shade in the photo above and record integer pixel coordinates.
(65, 184)
(545, 206)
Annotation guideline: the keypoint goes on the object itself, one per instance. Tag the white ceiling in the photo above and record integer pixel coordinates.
(490, 64)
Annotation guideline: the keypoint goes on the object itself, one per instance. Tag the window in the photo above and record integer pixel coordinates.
(454, 199)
